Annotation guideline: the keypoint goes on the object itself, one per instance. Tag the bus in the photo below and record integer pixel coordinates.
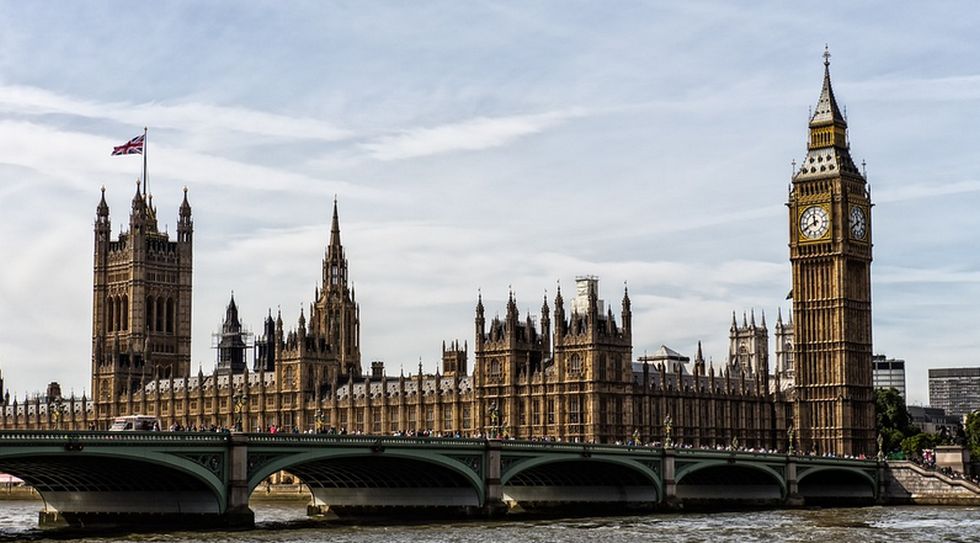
(135, 423)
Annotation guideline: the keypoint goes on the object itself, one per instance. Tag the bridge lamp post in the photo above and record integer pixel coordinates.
(318, 420)
(240, 401)
(58, 412)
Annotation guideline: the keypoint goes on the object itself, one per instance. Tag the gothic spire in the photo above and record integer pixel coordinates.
(103, 209)
(334, 263)
(185, 206)
(335, 229)
(827, 111)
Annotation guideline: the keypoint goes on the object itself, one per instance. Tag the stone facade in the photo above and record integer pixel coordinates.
(570, 376)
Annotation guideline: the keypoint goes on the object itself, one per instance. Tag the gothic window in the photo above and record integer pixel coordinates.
(575, 364)
(574, 407)
(149, 314)
(467, 417)
(602, 368)
(111, 317)
(495, 370)
(447, 418)
(393, 419)
(551, 410)
(125, 312)
(159, 317)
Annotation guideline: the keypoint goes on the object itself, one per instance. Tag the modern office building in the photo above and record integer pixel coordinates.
(888, 373)
(957, 390)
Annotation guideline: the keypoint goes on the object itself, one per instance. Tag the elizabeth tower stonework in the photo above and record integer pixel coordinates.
(830, 250)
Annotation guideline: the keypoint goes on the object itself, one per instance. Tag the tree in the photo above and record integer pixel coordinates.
(972, 431)
(892, 419)
(912, 446)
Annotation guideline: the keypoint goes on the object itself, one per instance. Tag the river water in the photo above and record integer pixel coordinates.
(284, 523)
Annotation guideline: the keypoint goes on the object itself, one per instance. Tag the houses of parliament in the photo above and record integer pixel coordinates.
(571, 375)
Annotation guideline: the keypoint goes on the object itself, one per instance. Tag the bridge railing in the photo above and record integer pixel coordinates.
(86, 436)
(363, 440)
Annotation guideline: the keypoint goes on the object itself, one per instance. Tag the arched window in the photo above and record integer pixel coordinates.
(602, 368)
(495, 367)
(159, 308)
(575, 363)
(149, 314)
(125, 312)
(110, 314)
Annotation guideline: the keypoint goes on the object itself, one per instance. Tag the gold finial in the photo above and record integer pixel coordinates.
(185, 189)
(826, 55)
(103, 189)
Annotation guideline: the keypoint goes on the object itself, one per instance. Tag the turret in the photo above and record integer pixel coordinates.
(627, 314)
(560, 321)
(546, 326)
(185, 226)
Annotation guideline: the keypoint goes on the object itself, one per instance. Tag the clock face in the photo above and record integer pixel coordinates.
(859, 223)
(814, 222)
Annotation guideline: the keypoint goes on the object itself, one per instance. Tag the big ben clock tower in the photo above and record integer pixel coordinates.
(830, 250)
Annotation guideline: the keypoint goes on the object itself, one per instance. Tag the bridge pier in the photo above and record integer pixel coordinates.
(793, 498)
(670, 499)
(493, 497)
(237, 513)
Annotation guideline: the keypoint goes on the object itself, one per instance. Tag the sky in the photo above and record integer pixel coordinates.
(484, 146)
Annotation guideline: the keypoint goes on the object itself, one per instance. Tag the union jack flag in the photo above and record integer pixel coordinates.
(131, 147)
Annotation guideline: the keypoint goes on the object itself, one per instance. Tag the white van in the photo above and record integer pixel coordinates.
(135, 423)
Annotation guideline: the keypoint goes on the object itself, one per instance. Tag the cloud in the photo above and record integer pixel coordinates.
(77, 158)
(186, 116)
(953, 88)
(469, 135)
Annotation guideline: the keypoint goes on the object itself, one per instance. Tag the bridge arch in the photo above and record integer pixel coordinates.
(398, 478)
(574, 478)
(837, 483)
(114, 481)
(718, 479)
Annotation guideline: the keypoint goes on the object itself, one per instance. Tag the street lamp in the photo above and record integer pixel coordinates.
(240, 401)
(318, 420)
(58, 414)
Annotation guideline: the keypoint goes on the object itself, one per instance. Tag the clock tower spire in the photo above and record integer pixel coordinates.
(830, 251)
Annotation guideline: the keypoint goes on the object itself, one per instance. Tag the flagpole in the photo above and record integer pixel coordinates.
(144, 162)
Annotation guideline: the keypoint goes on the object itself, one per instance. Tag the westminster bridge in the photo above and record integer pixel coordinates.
(112, 478)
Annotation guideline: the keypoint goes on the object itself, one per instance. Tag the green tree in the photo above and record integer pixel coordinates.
(972, 431)
(912, 446)
(892, 419)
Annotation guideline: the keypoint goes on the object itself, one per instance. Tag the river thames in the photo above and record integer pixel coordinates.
(283, 523)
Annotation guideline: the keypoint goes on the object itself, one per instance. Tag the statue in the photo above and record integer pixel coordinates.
(791, 435)
(668, 428)
(734, 443)
(881, 443)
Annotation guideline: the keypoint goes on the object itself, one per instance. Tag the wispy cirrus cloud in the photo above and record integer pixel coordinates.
(468, 135)
(25, 100)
